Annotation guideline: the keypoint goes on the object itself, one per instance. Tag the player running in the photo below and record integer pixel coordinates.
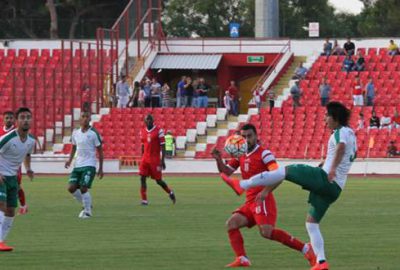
(85, 141)
(153, 142)
(258, 209)
(325, 182)
(15, 147)
(9, 124)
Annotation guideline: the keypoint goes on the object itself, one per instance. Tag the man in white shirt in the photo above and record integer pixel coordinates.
(325, 182)
(123, 92)
(15, 147)
(85, 141)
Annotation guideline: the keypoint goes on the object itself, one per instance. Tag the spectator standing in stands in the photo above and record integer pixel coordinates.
(396, 120)
(123, 92)
(300, 72)
(195, 103)
(166, 96)
(271, 99)
(141, 98)
(234, 94)
(374, 121)
(169, 145)
(348, 64)
(202, 91)
(358, 99)
(181, 92)
(360, 63)
(392, 150)
(135, 94)
(228, 102)
(360, 123)
(370, 92)
(349, 47)
(155, 93)
(189, 90)
(296, 92)
(324, 91)
(147, 93)
(337, 50)
(393, 49)
(327, 49)
(386, 121)
(257, 97)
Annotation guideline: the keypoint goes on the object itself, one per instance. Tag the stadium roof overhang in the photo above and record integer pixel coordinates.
(187, 61)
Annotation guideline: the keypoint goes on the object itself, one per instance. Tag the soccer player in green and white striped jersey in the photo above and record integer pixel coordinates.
(15, 147)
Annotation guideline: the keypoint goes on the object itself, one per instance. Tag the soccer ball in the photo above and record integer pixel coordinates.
(236, 145)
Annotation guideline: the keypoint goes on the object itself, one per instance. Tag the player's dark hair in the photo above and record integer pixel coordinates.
(249, 127)
(8, 113)
(21, 110)
(338, 112)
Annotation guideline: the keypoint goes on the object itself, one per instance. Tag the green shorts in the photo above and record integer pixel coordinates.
(9, 191)
(83, 176)
(322, 192)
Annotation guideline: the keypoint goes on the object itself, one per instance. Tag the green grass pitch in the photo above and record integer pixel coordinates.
(361, 230)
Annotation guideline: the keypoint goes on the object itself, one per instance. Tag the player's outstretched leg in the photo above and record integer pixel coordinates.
(165, 187)
(288, 240)
(143, 190)
(233, 225)
(23, 209)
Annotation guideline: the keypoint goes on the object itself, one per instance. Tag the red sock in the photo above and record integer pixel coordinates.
(236, 239)
(21, 196)
(286, 239)
(143, 194)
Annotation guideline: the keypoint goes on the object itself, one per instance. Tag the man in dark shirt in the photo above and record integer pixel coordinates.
(349, 47)
(202, 91)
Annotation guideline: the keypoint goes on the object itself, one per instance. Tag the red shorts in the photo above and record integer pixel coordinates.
(152, 169)
(19, 176)
(259, 214)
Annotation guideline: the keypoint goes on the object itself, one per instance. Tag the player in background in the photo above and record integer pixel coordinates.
(258, 209)
(15, 147)
(85, 141)
(9, 124)
(153, 144)
(325, 182)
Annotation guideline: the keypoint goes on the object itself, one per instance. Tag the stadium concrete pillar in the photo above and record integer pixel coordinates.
(267, 18)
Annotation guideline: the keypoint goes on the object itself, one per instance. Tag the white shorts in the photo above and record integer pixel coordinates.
(358, 100)
(122, 102)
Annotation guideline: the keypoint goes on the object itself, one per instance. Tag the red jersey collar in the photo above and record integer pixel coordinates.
(255, 149)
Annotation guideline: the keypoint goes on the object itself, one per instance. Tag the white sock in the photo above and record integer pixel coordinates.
(87, 202)
(78, 195)
(6, 227)
(316, 239)
(1, 225)
(264, 179)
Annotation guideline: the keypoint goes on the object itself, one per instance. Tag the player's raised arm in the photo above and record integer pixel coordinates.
(222, 167)
(101, 158)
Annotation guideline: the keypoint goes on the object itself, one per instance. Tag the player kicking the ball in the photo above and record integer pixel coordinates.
(85, 141)
(153, 144)
(325, 183)
(15, 147)
(259, 209)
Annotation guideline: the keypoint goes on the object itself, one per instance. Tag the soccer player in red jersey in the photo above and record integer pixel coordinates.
(9, 124)
(260, 207)
(153, 143)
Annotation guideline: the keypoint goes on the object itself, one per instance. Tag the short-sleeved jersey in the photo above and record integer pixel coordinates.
(13, 152)
(257, 161)
(341, 135)
(152, 141)
(86, 144)
(4, 130)
(357, 90)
